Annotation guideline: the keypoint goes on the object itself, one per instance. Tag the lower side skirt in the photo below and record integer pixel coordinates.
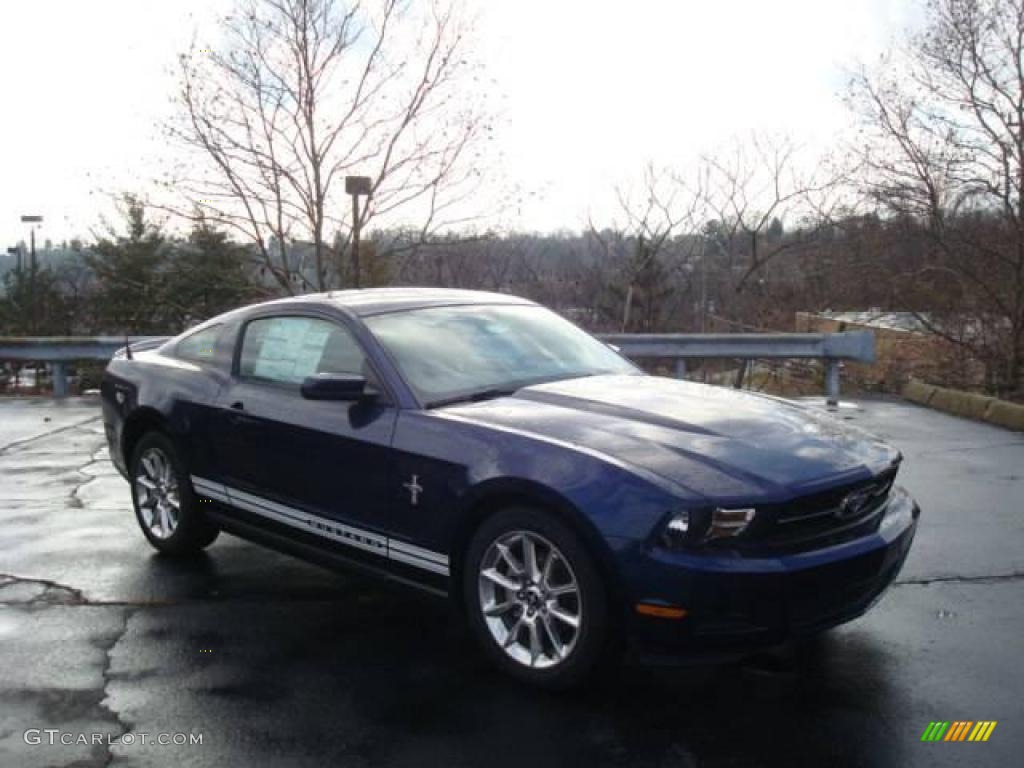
(320, 551)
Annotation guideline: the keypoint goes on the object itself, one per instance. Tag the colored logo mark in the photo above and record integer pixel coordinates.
(959, 730)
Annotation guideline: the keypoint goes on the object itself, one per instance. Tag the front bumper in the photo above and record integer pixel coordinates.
(734, 602)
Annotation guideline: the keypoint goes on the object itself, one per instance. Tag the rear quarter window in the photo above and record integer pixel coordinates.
(199, 346)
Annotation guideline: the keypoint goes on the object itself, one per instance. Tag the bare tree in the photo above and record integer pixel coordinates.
(752, 188)
(645, 249)
(713, 229)
(305, 92)
(943, 144)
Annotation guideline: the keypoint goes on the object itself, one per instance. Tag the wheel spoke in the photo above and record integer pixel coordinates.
(513, 632)
(148, 500)
(535, 647)
(146, 483)
(530, 558)
(556, 642)
(506, 555)
(564, 589)
(165, 520)
(503, 581)
(562, 616)
(147, 464)
(499, 609)
(545, 577)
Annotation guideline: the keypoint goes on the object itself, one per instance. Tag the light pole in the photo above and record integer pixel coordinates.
(33, 220)
(356, 186)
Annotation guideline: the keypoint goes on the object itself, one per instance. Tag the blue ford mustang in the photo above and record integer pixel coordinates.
(480, 446)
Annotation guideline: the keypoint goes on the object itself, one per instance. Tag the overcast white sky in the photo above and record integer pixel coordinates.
(592, 89)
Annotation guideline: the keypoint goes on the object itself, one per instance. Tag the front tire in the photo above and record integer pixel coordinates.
(535, 600)
(165, 506)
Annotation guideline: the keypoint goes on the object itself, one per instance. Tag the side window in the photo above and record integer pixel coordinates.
(285, 350)
(198, 346)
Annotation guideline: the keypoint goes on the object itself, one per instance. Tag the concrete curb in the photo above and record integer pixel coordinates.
(1009, 415)
(965, 404)
(918, 392)
(969, 405)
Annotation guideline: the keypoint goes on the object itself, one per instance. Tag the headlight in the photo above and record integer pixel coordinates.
(694, 526)
(729, 522)
(677, 531)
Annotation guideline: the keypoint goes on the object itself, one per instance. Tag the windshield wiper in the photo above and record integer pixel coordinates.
(474, 397)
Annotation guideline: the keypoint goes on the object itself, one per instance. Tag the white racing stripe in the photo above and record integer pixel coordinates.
(413, 551)
(393, 549)
(427, 565)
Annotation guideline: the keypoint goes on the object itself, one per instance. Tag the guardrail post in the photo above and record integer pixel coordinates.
(60, 378)
(832, 382)
(741, 373)
(680, 367)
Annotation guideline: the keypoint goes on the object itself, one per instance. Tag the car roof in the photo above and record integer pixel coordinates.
(375, 301)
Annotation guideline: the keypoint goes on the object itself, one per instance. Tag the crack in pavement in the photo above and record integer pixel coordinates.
(25, 441)
(968, 448)
(94, 457)
(108, 648)
(53, 593)
(49, 593)
(950, 579)
(73, 498)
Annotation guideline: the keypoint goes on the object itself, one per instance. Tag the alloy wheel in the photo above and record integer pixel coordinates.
(530, 599)
(156, 489)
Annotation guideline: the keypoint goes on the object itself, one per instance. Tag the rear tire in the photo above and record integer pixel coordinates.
(166, 508)
(535, 600)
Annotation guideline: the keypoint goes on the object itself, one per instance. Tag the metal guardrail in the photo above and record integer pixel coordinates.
(61, 350)
(832, 348)
(851, 345)
(64, 348)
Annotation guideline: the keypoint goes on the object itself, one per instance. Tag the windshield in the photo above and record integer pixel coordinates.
(451, 353)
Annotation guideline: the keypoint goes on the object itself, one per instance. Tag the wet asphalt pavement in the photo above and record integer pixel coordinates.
(275, 662)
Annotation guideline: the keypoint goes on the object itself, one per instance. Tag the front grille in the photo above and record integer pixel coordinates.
(844, 504)
(819, 519)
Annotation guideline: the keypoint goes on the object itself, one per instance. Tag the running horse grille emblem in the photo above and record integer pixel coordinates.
(854, 504)
(414, 488)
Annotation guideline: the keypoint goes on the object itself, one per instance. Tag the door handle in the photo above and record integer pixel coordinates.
(237, 416)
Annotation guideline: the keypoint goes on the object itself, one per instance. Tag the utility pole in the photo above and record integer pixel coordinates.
(356, 186)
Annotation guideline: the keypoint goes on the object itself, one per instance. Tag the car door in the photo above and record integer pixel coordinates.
(281, 455)
(196, 383)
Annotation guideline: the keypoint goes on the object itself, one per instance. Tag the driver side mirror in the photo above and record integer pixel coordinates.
(337, 386)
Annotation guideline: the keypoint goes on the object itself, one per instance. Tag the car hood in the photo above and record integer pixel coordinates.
(711, 441)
